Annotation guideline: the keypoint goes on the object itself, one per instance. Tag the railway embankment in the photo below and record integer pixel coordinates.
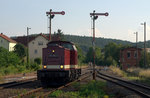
(137, 75)
(127, 76)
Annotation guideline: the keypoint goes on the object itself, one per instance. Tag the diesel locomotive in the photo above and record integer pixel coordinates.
(60, 63)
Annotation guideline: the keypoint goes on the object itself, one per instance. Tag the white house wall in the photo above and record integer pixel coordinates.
(35, 47)
(11, 46)
(4, 43)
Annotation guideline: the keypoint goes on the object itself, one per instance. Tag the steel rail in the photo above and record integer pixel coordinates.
(61, 87)
(139, 85)
(46, 94)
(128, 87)
(15, 83)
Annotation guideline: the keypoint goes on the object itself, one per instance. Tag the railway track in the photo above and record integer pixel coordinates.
(142, 90)
(44, 92)
(16, 83)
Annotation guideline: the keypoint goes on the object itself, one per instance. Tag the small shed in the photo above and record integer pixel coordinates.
(130, 57)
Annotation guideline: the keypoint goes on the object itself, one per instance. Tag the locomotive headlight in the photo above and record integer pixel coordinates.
(61, 66)
(44, 66)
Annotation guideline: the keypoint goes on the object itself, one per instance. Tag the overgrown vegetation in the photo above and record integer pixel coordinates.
(38, 61)
(15, 62)
(93, 89)
(136, 74)
(117, 71)
(145, 73)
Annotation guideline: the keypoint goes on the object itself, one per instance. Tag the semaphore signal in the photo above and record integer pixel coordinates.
(94, 17)
(51, 16)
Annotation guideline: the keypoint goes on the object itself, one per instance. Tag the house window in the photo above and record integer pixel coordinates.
(35, 51)
(40, 43)
(135, 54)
(128, 54)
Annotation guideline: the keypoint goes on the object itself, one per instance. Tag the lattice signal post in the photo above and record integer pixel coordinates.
(94, 17)
(51, 15)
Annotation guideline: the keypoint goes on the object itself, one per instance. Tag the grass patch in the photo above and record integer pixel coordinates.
(117, 71)
(135, 74)
(93, 89)
(139, 72)
(145, 73)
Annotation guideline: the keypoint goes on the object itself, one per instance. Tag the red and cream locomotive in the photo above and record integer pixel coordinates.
(59, 61)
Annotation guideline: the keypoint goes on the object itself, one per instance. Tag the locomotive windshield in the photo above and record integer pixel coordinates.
(67, 45)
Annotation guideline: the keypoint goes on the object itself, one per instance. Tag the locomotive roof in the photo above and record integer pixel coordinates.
(60, 42)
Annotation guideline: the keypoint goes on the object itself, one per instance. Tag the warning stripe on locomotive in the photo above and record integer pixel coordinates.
(64, 66)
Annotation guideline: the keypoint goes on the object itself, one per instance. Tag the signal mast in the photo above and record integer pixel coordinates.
(51, 15)
(94, 17)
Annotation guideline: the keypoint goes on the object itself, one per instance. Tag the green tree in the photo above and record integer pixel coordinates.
(8, 58)
(112, 53)
(59, 35)
(90, 57)
(141, 63)
(20, 50)
(110, 61)
(81, 57)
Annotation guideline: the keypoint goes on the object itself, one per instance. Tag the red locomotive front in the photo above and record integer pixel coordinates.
(59, 63)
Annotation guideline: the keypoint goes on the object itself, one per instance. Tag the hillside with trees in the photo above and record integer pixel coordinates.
(85, 42)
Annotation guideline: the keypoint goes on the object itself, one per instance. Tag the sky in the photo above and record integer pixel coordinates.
(125, 17)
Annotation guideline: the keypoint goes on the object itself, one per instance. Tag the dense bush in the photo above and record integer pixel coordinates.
(12, 63)
(34, 66)
(8, 58)
(20, 50)
(38, 60)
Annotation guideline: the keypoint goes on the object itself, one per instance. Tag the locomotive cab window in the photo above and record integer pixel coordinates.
(68, 46)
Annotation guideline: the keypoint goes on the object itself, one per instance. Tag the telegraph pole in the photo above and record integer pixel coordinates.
(28, 45)
(144, 43)
(94, 17)
(136, 48)
(51, 15)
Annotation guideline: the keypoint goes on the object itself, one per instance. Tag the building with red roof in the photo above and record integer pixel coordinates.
(35, 44)
(7, 42)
